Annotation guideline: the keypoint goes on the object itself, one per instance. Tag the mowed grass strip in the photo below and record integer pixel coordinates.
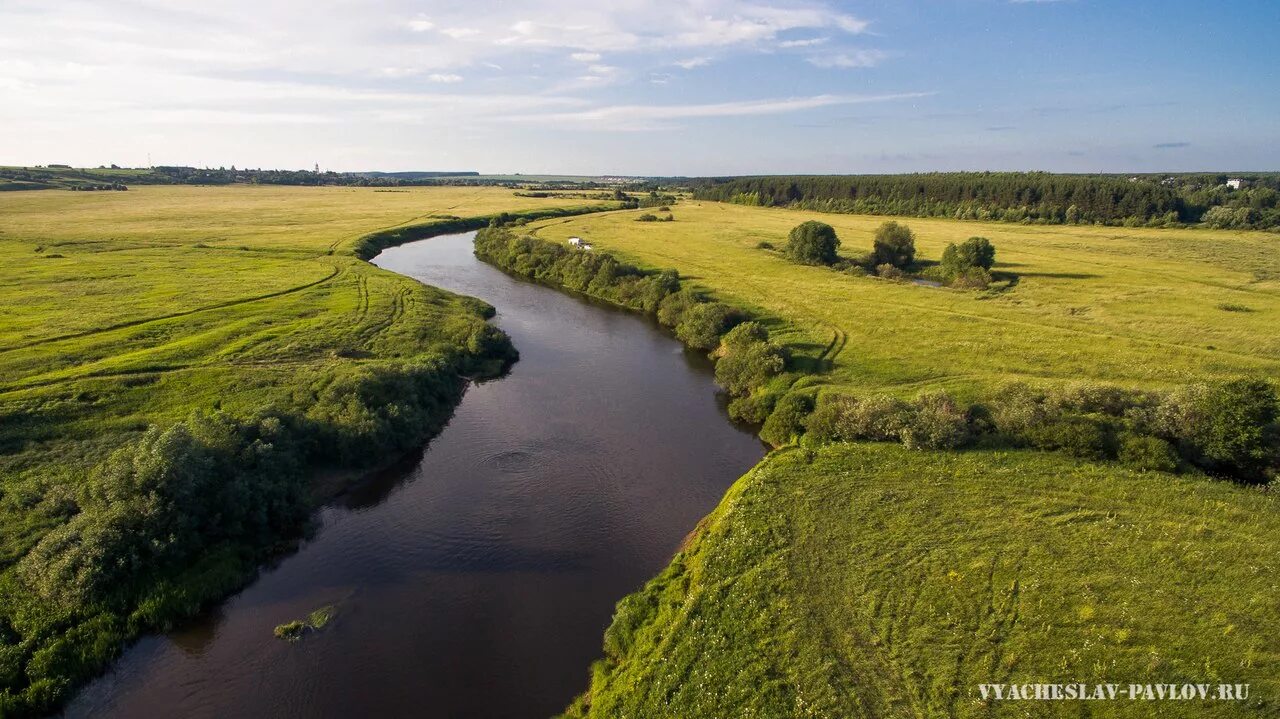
(1138, 307)
(875, 581)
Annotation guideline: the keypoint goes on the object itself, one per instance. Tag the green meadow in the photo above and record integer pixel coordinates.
(242, 323)
(133, 307)
(126, 309)
(1137, 307)
(869, 580)
(873, 580)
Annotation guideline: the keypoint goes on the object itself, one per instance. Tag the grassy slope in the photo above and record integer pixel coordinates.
(873, 581)
(880, 582)
(1132, 306)
(137, 307)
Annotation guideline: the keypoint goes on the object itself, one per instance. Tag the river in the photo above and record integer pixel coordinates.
(477, 578)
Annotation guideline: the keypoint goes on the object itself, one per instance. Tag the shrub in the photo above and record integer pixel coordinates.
(1078, 436)
(764, 245)
(752, 408)
(787, 420)
(673, 307)
(889, 272)
(744, 334)
(1147, 453)
(646, 217)
(1094, 398)
(843, 418)
(895, 244)
(703, 323)
(812, 243)
(748, 366)
(977, 252)
(968, 264)
(1236, 429)
(936, 421)
(1021, 407)
(973, 278)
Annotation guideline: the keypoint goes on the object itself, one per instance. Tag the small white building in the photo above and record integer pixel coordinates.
(1236, 183)
(575, 241)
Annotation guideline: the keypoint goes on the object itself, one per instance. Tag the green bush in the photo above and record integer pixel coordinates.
(1020, 408)
(844, 418)
(812, 243)
(889, 272)
(672, 308)
(895, 244)
(1095, 398)
(973, 278)
(1079, 436)
(703, 324)
(747, 359)
(786, 422)
(936, 421)
(968, 265)
(1147, 453)
(977, 252)
(752, 408)
(1235, 428)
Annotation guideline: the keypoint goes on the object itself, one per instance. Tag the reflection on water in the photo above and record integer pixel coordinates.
(476, 579)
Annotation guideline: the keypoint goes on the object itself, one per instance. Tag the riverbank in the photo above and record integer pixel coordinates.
(872, 581)
(491, 560)
(257, 357)
(700, 624)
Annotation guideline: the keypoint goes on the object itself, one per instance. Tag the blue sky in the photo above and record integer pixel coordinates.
(636, 87)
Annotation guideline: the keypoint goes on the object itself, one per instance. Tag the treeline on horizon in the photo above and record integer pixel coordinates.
(118, 178)
(1167, 200)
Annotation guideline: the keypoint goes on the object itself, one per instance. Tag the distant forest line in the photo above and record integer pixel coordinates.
(1162, 200)
(1249, 200)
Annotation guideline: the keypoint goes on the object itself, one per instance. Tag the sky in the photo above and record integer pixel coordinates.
(637, 87)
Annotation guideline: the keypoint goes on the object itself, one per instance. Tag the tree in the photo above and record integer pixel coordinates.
(1236, 431)
(978, 252)
(895, 244)
(812, 243)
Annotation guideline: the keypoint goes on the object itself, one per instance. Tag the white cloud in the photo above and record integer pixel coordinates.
(647, 117)
(693, 62)
(809, 42)
(84, 74)
(458, 33)
(849, 59)
(420, 24)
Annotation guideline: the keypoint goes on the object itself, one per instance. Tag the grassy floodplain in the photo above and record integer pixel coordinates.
(873, 581)
(1137, 307)
(243, 319)
(132, 308)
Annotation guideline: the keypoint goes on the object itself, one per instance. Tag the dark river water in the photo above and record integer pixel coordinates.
(475, 580)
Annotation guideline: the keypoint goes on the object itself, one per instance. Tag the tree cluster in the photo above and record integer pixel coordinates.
(697, 321)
